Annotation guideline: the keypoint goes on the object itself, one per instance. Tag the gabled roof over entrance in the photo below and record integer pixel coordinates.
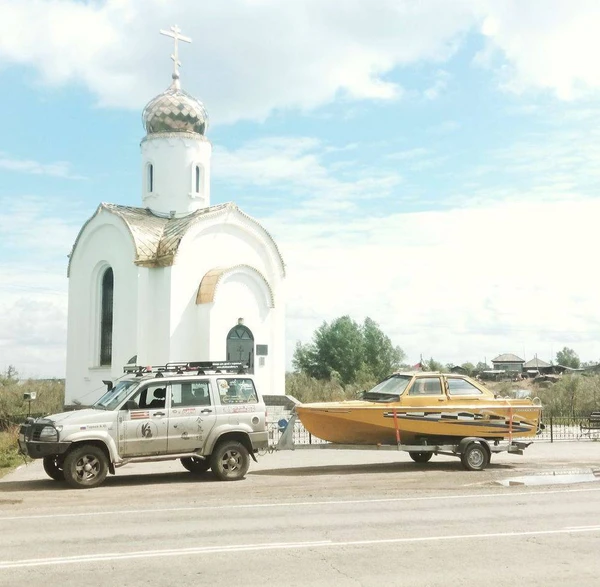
(157, 238)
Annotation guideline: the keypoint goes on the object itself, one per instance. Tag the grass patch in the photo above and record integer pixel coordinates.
(9, 452)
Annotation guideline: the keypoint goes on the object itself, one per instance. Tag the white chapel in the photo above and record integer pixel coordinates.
(175, 279)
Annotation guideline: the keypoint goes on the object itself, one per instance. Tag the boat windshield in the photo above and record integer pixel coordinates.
(111, 399)
(389, 389)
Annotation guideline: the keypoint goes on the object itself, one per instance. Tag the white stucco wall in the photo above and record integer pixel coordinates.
(202, 329)
(156, 316)
(174, 158)
(104, 242)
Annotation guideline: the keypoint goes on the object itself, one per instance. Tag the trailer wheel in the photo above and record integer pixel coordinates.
(53, 468)
(420, 457)
(195, 465)
(475, 457)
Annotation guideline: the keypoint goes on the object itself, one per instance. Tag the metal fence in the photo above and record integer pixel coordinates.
(577, 427)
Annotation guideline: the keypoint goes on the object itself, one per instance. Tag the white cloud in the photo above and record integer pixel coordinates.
(251, 58)
(60, 169)
(247, 59)
(297, 166)
(505, 269)
(33, 289)
(546, 44)
(457, 285)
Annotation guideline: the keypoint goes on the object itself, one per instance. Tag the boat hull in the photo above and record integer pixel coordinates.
(369, 423)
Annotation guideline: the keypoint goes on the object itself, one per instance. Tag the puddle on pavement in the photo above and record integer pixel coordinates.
(554, 478)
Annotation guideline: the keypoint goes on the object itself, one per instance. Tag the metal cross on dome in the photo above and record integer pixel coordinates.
(174, 34)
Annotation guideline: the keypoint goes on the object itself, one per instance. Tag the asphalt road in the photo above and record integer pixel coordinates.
(311, 518)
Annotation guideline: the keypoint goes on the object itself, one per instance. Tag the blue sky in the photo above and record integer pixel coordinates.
(430, 164)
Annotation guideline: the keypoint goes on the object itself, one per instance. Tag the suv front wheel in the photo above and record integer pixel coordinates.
(85, 466)
(230, 461)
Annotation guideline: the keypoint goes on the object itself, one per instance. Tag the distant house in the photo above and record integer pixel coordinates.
(508, 363)
(537, 367)
(536, 364)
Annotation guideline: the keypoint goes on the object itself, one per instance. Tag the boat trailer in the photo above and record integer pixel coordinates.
(474, 452)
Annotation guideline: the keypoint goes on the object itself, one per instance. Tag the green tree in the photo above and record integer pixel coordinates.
(432, 365)
(469, 368)
(349, 351)
(380, 357)
(481, 366)
(568, 358)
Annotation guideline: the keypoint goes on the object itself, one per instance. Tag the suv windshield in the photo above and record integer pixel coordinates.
(389, 389)
(111, 399)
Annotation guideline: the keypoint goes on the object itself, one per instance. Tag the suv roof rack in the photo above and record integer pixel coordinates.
(183, 368)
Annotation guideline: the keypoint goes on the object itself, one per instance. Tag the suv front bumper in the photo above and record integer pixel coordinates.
(37, 449)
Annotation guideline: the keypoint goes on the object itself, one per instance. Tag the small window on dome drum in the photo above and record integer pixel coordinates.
(150, 177)
(198, 179)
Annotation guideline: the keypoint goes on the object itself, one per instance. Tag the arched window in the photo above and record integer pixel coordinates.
(150, 180)
(198, 176)
(106, 317)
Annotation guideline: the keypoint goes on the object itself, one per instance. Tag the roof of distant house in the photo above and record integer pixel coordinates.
(536, 363)
(508, 358)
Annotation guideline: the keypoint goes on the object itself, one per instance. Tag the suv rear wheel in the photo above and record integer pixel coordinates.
(230, 461)
(85, 466)
(53, 468)
(195, 465)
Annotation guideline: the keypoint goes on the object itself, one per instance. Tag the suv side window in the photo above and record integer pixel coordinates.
(237, 390)
(190, 393)
(151, 397)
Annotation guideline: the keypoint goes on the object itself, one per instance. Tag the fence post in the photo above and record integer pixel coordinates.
(551, 430)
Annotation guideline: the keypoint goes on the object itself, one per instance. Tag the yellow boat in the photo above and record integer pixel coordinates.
(422, 407)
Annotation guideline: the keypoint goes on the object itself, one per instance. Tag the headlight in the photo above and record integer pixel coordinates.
(49, 434)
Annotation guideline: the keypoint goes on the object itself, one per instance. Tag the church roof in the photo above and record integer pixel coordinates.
(157, 238)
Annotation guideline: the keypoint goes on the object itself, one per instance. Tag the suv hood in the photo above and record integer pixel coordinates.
(87, 416)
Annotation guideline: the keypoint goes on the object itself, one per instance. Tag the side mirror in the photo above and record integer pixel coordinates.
(130, 405)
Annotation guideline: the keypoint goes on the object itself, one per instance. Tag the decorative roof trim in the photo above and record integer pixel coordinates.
(175, 135)
(156, 238)
(212, 279)
(101, 207)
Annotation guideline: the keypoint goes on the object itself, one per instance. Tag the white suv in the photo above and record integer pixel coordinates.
(208, 414)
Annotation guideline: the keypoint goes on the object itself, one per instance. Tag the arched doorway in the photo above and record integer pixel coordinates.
(240, 345)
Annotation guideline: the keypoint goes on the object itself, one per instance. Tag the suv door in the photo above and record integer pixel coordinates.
(143, 425)
(191, 415)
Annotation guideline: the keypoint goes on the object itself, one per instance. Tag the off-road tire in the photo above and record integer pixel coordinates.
(195, 465)
(230, 461)
(85, 467)
(53, 468)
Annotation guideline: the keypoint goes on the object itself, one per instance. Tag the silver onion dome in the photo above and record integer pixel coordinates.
(175, 111)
